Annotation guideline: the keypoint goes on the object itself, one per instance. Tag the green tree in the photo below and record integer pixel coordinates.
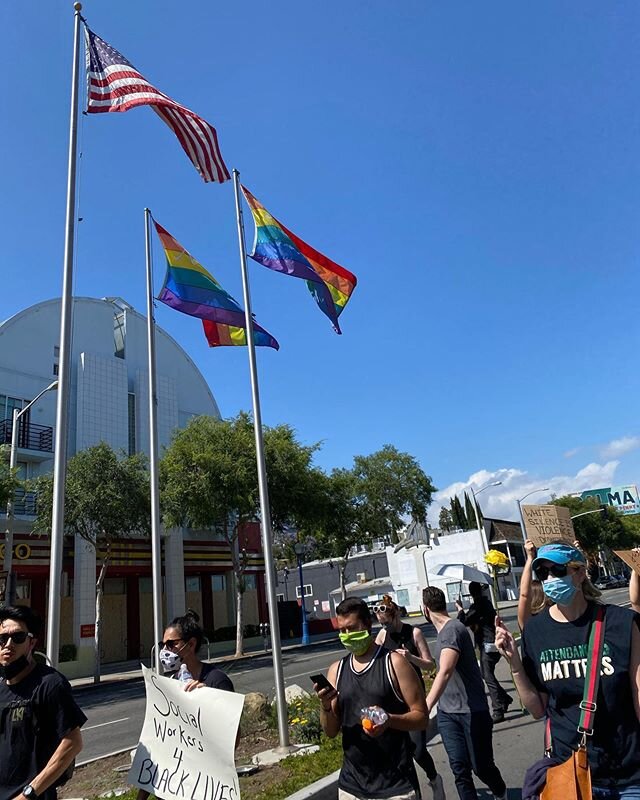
(445, 520)
(460, 516)
(470, 512)
(606, 529)
(8, 480)
(209, 477)
(106, 501)
(370, 501)
(392, 486)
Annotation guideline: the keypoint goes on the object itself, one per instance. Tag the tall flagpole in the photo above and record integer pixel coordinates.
(64, 371)
(156, 546)
(265, 513)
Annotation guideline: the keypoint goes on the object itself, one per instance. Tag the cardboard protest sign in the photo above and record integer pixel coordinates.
(187, 742)
(544, 524)
(630, 557)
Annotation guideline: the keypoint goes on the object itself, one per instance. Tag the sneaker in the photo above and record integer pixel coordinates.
(437, 787)
(508, 702)
(498, 716)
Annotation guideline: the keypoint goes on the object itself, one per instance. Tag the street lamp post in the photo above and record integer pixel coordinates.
(483, 535)
(10, 584)
(535, 491)
(300, 550)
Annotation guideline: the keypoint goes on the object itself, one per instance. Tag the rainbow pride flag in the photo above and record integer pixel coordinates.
(277, 248)
(189, 288)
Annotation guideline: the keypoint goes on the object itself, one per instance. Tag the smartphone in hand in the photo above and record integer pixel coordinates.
(321, 681)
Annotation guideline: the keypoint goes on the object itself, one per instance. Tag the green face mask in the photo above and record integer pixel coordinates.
(356, 642)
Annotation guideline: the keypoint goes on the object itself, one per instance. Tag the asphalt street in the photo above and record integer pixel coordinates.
(115, 711)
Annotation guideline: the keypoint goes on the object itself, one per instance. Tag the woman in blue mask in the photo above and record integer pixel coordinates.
(550, 675)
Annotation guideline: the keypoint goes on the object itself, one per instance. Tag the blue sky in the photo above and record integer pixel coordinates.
(476, 165)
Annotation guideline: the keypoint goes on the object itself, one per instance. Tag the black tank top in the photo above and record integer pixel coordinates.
(404, 638)
(380, 767)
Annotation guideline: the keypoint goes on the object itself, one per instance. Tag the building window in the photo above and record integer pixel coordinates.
(250, 582)
(192, 583)
(131, 418)
(308, 590)
(280, 598)
(56, 370)
(454, 591)
(219, 583)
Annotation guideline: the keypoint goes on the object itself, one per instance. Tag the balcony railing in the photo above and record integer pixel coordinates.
(30, 435)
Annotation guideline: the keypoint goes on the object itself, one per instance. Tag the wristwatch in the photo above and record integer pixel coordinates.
(30, 792)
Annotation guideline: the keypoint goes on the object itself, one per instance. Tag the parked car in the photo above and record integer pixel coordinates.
(620, 581)
(606, 583)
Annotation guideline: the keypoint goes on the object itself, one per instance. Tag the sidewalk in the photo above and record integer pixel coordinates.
(125, 671)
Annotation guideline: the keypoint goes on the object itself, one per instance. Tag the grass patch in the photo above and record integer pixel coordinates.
(301, 771)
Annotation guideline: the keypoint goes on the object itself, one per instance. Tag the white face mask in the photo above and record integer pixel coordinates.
(170, 661)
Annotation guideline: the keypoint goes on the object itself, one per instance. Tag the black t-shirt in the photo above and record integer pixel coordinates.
(213, 677)
(481, 618)
(555, 657)
(35, 715)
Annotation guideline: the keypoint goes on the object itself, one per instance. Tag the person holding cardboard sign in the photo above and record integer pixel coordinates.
(564, 648)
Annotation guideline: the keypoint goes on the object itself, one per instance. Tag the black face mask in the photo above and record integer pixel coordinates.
(15, 668)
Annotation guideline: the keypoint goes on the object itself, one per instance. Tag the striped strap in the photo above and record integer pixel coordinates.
(588, 705)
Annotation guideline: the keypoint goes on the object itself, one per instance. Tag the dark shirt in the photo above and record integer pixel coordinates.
(481, 618)
(214, 678)
(404, 639)
(554, 658)
(373, 767)
(464, 693)
(35, 715)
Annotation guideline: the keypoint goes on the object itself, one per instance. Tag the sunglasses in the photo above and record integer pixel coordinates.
(559, 570)
(17, 637)
(170, 644)
(381, 609)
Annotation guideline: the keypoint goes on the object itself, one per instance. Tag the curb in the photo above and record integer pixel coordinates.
(319, 790)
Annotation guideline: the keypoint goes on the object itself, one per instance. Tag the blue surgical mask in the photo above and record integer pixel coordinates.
(560, 590)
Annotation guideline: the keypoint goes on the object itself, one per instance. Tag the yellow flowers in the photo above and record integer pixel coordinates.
(496, 559)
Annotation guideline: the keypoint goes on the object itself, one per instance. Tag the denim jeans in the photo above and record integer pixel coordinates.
(617, 793)
(467, 740)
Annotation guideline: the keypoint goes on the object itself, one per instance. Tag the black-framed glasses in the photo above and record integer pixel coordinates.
(170, 644)
(558, 570)
(17, 637)
(381, 609)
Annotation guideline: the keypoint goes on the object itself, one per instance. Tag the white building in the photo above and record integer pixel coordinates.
(109, 403)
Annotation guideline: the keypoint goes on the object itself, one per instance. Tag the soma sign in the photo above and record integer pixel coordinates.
(624, 499)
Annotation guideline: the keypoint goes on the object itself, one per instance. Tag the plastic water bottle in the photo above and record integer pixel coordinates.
(184, 675)
(373, 715)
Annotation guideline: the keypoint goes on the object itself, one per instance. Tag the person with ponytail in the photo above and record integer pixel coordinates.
(179, 654)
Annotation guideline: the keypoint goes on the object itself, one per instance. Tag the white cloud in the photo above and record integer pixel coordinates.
(500, 502)
(618, 447)
(573, 452)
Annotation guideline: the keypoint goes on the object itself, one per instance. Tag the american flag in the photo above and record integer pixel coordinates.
(114, 84)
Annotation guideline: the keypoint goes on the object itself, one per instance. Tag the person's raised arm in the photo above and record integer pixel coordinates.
(634, 591)
(329, 714)
(525, 598)
(534, 701)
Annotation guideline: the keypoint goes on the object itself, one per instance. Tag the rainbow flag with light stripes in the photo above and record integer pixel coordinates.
(189, 288)
(279, 249)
